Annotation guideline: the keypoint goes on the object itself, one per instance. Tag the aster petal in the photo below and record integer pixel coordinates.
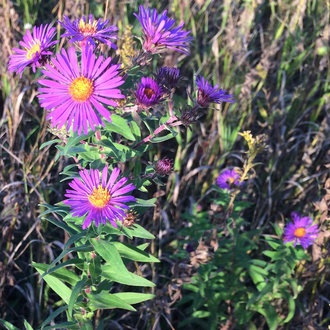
(113, 177)
(123, 190)
(104, 176)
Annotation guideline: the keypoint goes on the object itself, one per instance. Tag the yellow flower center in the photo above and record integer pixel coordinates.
(149, 92)
(99, 197)
(81, 89)
(87, 29)
(300, 232)
(33, 50)
(231, 180)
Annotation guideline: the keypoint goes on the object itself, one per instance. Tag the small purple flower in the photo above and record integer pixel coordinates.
(36, 49)
(159, 32)
(163, 166)
(148, 93)
(89, 31)
(168, 77)
(74, 91)
(208, 94)
(227, 179)
(101, 201)
(302, 230)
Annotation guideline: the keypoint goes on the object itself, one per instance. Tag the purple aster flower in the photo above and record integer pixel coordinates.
(36, 49)
(89, 32)
(159, 32)
(208, 94)
(101, 200)
(227, 179)
(168, 77)
(148, 93)
(301, 229)
(74, 93)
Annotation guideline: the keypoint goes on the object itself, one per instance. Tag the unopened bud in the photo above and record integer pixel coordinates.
(188, 117)
(163, 166)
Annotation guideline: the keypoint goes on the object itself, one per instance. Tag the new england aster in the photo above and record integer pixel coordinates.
(89, 31)
(148, 93)
(227, 179)
(74, 94)
(35, 49)
(301, 230)
(101, 200)
(208, 94)
(160, 33)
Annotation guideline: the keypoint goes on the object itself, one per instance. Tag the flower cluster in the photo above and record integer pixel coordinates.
(79, 89)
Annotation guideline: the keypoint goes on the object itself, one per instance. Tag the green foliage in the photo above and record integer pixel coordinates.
(275, 62)
(100, 264)
(249, 274)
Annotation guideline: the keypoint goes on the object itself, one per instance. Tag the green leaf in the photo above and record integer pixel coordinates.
(135, 129)
(61, 210)
(53, 315)
(257, 274)
(105, 300)
(81, 248)
(119, 125)
(274, 243)
(133, 253)
(75, 140)
(61, 224)
(269, 312)
(75, 292)
(75, 261)
(63, 325)
(145, 203)
(47, 143)
(292, 307)
(274, 255)
(134, 297)
(159, 139)
(62, 274)
(8, 325)
(105, 249)
(119, 151)
(201, 314)
(27, 325)
(138, 231)
(123, 276)
(112, 230)
(114, 268)
(57, 285)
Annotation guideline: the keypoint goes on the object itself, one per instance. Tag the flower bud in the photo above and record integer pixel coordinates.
(163, 167)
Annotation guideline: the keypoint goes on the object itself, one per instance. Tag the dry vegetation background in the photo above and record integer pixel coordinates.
(273, 55)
